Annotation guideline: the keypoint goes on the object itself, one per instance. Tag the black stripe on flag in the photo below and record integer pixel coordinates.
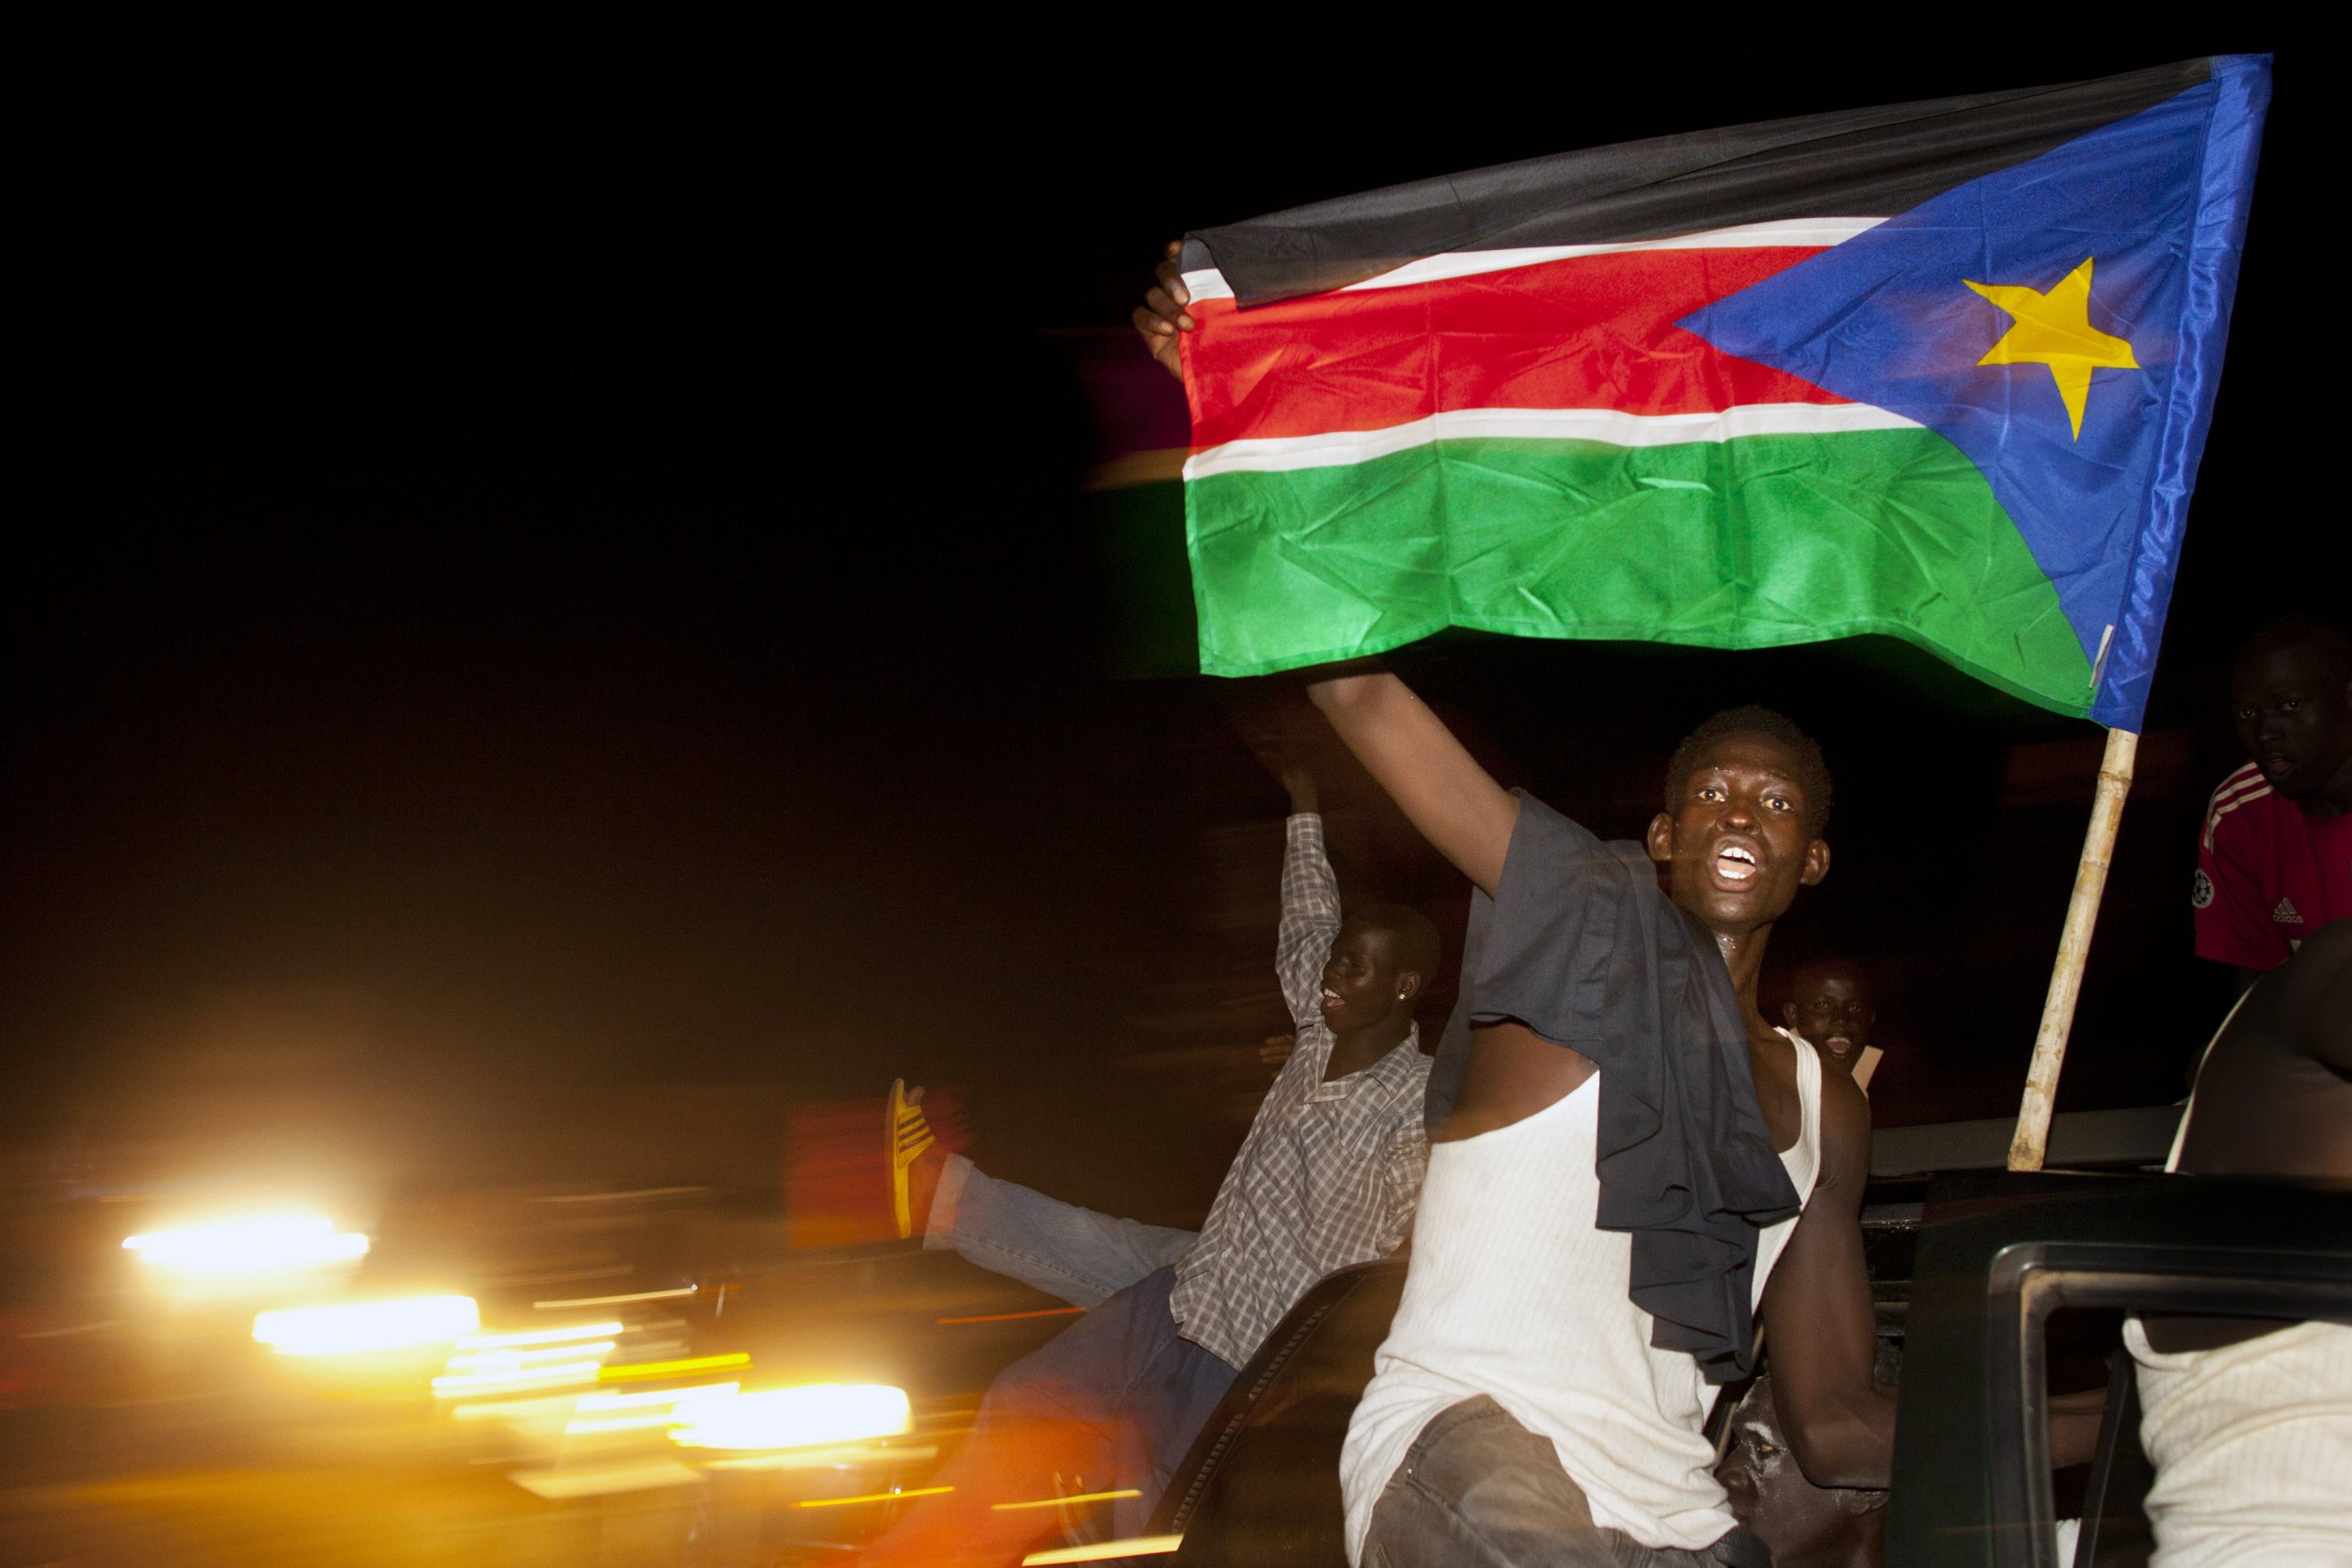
(1862, 163)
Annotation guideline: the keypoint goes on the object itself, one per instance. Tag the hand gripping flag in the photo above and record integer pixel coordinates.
(1942, 370)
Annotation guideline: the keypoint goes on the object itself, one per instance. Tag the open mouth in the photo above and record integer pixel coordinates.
(1735, 863)
(1839, 1045)
(1330, 999)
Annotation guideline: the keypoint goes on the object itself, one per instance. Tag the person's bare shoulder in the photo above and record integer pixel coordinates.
(2302, 1009)
(2324, 999)
(1845, 1135)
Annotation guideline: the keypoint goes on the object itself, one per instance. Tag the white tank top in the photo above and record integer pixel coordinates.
(2253, 1445)
(2251, 1441)
(1514, 1293)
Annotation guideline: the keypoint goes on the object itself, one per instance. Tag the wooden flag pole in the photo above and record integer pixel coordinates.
(2066, 977)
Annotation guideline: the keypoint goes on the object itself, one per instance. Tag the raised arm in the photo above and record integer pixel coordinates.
(1840, 1420)
(1311, 902)
(1443, 791)
(1445, 794)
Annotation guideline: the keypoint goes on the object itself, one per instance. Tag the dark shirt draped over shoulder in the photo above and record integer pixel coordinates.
(1580, 947)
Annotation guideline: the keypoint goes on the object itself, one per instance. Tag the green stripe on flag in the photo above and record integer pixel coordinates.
(1758, 542)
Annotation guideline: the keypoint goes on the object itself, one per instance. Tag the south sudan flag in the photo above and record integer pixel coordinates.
(1942, 370)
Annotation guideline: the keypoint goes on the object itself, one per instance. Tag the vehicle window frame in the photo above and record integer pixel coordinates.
(1998, 1252)
(2032, 1281)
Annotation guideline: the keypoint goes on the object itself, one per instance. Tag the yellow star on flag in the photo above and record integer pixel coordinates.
(2055, 329)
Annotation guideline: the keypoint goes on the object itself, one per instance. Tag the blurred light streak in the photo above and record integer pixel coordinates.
(839, 1456)
(645, 1420)
(532, 1359)
(539, 1337)
(249, 1244)
(874, 1498)
(1074, 1497)
(817, 1414)
(634, 1370)
(1011, 1317)
(623, 1197)
(545, 1407)
(70, 1329)
(608, 1300)
(1141, 1546)
(658, 1408)
(657, 1396)
(614, 1272)
(356, 1328)
(500, 1380)
(555, 1484)
(516, 1360)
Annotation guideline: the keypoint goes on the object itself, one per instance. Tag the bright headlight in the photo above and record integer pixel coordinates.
(819, 1414)
(249, 1244)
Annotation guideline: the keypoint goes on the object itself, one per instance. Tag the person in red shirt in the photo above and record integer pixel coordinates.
(2274, 863)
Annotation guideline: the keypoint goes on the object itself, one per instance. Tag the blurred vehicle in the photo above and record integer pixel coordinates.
(1988, 1280)
(661, 1362)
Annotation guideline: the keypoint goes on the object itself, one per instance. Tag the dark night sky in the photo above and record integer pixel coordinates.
(540, 607)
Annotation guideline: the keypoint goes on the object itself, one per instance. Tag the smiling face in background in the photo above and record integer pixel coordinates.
(1736, 839)
(1829, 1003)
(1362, 983)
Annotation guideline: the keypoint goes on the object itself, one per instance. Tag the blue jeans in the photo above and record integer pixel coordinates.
(1075, 1254)
(1116, 1398)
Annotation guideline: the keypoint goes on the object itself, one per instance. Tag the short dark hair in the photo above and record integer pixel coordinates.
(1812, 767)
(1414, 936)
(2298, 628)
(1824, 966)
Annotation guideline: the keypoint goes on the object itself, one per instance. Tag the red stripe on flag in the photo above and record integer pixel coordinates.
(1589, 332)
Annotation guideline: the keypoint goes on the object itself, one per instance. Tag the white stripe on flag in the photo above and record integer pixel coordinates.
(1209, 283)
(1605, 426)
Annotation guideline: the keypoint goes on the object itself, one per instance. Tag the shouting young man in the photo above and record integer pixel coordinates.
(1632, 1158)
(1626, 1157)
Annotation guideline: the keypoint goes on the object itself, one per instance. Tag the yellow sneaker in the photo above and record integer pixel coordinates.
(906, 1133)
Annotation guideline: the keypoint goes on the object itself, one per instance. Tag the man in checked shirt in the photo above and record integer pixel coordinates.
(1328, 1176)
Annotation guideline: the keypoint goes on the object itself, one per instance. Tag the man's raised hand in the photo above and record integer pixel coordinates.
(1162, 314)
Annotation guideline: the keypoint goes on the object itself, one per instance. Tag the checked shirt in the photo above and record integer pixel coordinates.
(1330, 1173)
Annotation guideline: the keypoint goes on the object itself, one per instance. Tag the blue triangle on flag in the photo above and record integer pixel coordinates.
(1887, 319)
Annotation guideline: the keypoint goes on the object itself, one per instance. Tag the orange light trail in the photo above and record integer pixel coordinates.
(671, 1368)
(1141, 1545)
(1074, 1497)
(1009, 1317)
(605, 1301)
(874, 1498)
